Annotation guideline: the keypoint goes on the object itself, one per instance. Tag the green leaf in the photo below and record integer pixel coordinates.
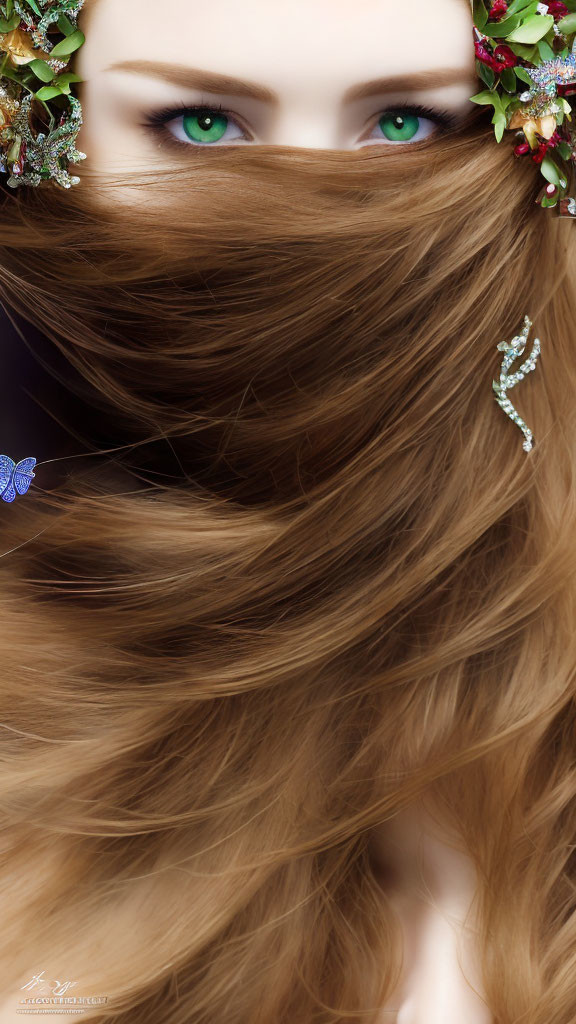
(528, 10)
(564, 150)
(512, 20)
(508, 79)
(9, 8)
(499, 29)
(545, 50)
(499, 122)
(518, 5)
(67, 77)
(506, 99)
(523, 75)
(9, 24)
(480, 14)
(47, 92)
(533, 29)
(65, 25)
(70, 44)
(42, 70)
(34, 6)
(550, 170)
(485, 97)
(567, 25)
(529, 53)
(485, 73)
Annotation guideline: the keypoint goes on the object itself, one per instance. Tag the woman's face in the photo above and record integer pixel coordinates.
(322, 74)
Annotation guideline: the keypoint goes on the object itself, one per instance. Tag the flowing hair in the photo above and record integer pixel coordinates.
(310, 578)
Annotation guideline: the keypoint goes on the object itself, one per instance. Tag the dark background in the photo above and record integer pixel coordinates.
(33, 402)
(50, 412)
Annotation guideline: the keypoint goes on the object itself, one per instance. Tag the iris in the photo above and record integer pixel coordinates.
(205, 127)
(399, 127)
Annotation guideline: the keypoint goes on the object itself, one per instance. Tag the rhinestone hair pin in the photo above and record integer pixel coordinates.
(514, 349)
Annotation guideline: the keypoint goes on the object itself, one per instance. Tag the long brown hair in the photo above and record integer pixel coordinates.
(314, 579)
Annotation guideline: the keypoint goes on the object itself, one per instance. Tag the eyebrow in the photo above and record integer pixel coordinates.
(211, 81)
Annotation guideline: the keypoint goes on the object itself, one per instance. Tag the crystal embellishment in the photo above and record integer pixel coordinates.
(513, 350)
(559, 71)
(47, 150)
(15, 478)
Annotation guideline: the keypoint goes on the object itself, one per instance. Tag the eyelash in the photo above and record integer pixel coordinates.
(155, 122)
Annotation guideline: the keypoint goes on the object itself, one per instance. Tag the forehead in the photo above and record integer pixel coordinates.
(275, 41)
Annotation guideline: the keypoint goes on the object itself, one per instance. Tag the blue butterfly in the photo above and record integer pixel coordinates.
(15, 477)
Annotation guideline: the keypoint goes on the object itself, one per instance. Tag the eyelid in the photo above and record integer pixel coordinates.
(155, 121)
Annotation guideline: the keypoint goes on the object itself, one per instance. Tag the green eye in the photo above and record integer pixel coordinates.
(399, 127)
(205, 127)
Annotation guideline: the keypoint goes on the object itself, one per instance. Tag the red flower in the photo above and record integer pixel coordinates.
(540, 153)
(557, 9)
(498, 10)
(483, 54)
(504, 57)
(521, 149)
(544, 146)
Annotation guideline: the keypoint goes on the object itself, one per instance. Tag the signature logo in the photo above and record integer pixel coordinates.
(52, 992)
(38, 982)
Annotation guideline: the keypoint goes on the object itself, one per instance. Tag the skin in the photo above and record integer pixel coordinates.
(309, 52)
(430, 880)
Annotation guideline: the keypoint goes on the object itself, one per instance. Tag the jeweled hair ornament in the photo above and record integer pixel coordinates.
(15, 478)
(514, 349)
(526, 56)
(39, 117)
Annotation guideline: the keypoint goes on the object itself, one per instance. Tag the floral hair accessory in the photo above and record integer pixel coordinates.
(39, 117)
(525, 43)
